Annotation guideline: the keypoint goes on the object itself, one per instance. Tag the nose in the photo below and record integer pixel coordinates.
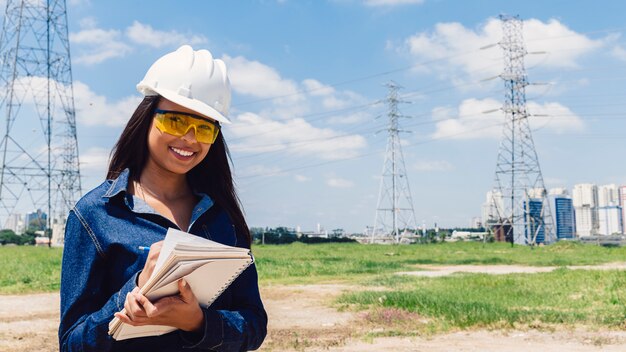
(190, 134)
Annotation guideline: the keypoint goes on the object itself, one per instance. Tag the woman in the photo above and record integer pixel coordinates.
(168, 169)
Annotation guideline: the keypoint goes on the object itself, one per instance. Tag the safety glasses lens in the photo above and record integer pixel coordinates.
(179, 124)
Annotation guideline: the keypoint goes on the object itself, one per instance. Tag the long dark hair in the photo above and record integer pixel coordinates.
(211, 176)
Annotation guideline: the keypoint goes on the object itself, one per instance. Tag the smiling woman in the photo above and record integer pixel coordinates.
(168, 169)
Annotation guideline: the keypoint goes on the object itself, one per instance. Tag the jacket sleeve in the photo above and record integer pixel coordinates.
(241, 329)
(85, 311)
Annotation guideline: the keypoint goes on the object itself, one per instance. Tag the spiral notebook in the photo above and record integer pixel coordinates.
(207, 266)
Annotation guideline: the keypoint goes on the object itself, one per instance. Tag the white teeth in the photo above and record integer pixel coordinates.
(182, 152)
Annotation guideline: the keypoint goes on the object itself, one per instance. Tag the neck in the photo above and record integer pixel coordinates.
(163, 184)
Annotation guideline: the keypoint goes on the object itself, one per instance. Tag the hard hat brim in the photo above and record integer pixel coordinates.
(192, 104)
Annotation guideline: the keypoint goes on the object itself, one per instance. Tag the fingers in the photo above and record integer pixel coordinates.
(124, 318)
(155, 250)
(133, 308)
(153, 256)
(175, 310)
(149, 308)
(184, 289)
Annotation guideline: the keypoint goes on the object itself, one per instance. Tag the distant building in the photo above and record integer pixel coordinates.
(467, 235)
(536, 193)
(586, 221)
(564, 219)
(609, 210)
(58, 232)
(585, 200)
(493, 208)
(36, 221)
(622, 203)
(15, 223)
(609, 220)
(535, 231)
(608, 196)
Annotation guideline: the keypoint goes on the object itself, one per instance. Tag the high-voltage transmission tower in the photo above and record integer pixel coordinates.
(523, 211)
(38, 145)
(395, 217)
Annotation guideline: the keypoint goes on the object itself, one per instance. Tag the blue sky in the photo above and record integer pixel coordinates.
(308, 78)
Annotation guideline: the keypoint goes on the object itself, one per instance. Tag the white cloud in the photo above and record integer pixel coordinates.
(442, 112)
(559, 119)
(256, 79)
(337, 182)
(472, 122)
(619, 52)
(286, 98)
(91, 108)
(88, 23)
(452, 49)
(146, 35)
(94, 109)
(433, 165)
(317, 88)
(296, 136)
(351, 118)
(96, 45)
(376, 3)
(94, 160)
(262, 170)
(469, 120)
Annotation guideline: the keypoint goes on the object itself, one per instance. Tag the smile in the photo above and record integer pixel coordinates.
(182, 152)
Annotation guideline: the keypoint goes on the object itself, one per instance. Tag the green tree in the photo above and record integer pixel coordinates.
(8, 236)
(37, 224)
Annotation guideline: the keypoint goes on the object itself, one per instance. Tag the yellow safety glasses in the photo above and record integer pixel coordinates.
(178, 124)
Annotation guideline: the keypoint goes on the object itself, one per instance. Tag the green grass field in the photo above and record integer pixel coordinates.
(301, 263)
(570, 297)
(27, 269)
(561, 297)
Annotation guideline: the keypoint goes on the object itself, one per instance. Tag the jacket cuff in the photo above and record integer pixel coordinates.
(210, 337)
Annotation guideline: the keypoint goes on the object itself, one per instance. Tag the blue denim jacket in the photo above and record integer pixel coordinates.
(101, 261)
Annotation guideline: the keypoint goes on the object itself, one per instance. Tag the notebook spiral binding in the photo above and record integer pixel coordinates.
(232, 278)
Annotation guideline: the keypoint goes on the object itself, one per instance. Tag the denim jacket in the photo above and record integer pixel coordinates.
(101, 261)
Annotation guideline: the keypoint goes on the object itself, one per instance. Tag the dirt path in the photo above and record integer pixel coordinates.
(444, 270)
(29, 322)
(302, 319)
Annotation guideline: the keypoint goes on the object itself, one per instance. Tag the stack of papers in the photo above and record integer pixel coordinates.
(207, 266)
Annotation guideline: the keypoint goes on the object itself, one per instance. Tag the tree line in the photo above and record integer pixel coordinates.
(285, 235)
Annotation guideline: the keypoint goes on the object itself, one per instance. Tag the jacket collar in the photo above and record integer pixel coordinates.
(120, 185)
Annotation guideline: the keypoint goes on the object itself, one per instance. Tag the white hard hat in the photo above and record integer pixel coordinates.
(192, 79)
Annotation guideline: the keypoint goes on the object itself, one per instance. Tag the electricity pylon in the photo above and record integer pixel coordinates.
(395, 217)
(524, 216)
(38, 146)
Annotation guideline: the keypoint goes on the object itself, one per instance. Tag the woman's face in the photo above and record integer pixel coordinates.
(171, 153)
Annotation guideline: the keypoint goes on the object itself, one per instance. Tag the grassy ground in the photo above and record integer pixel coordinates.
(27, 269)
(570, 297)
(300, 263)
(37, 269)
(561, 297)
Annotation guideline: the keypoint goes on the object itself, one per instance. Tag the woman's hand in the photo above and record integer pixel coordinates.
(181, 311)
(148, 268)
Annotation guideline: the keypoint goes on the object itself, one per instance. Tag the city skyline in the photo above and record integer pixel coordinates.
(308, 80)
